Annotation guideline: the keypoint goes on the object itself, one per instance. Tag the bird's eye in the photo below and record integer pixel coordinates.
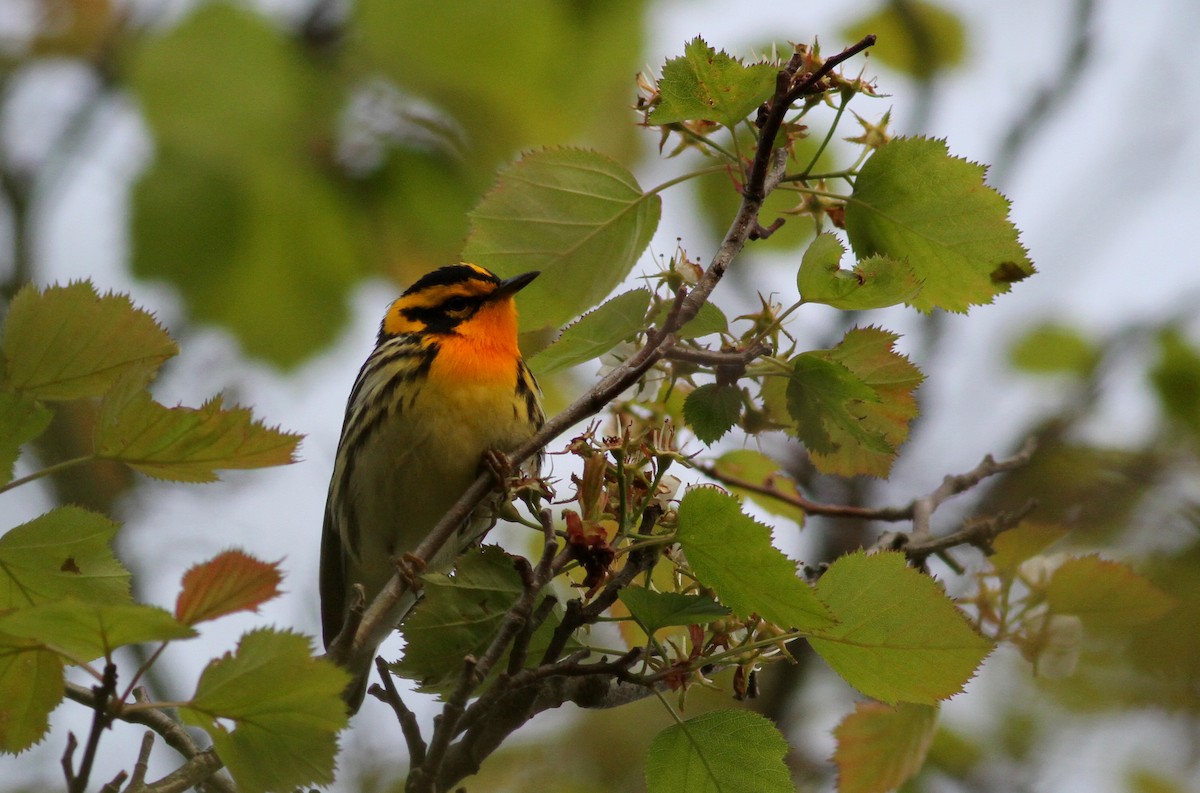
(456, 304)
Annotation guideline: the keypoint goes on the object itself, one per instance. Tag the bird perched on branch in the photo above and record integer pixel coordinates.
(444, 386)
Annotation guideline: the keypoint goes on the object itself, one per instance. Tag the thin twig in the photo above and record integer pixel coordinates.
(385, 610)
(138, 778)
(717, 357)
(408, 720)
(919, 510)
(202, 766)
(101, 720)
(979, 533)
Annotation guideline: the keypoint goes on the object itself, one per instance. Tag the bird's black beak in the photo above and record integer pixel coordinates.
(510, 286)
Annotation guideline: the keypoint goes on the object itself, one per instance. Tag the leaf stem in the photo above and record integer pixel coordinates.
(65, 465)
(685, 177)
(805, 174)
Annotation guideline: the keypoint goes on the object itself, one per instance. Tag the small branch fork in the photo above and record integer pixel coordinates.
(198, 771)
(920, 543)
(384, 612)
(463, 735)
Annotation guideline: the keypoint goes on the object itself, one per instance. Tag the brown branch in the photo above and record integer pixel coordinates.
(382, 614)
(978, 533)
(717, 358)
(101, 720)
(202, 765)
(408, 720)
(787, 91)
(919, 510)
(429, 775)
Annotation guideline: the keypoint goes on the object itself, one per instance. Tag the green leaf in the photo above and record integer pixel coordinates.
(868, 444)
(1106, 595)
(286, 708)
(711, 410)
(81, 631)
(1052, 348)
(22, 418)
(913, 202)
(31, 685)
(595, 333)
(732, 553)
(240, 210)
(185, 444)
(708, 85)
(510, 62)
(654, 610)
(577, 216)
(875, 282)
(1176, 379)
(68, 342)
(459, 615)
(880, 747)
(724, 751)
(823, 394)
(917, 38)
(749, 465)
(65, 553)
(1022, 542)
(709, 319)
(898, 637)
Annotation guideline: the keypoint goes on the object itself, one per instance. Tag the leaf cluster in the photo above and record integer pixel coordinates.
(67, 600)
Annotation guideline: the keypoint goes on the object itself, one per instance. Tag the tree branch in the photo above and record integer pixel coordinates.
(919, 510)
(382, 615)
(202, 765)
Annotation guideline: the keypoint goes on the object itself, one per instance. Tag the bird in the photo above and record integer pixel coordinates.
(444, 387)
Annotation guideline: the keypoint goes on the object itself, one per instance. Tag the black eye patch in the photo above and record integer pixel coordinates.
(459, 303)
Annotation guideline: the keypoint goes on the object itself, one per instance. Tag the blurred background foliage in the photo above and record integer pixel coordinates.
(302, 147)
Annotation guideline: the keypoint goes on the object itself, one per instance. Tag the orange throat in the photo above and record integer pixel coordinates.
(484, 349)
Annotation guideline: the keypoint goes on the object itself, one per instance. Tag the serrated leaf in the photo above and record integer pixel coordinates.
(185, 444)
(22, 418)
(654, 610)
(822, 394)
(708, 85)
(230, 581)
(867, 446)
(709, 319)
(875, 282)
(880, 747)
(1052, 348)
(898, 637)
(286, 708)
(458, 616)
(712, 410)
(31, 686)
(68, 342)
(754, 467)
(1105, 594)
(82, 631)
(913, 202)
(595, 333)
(1022, 542)
(732, 553)
(577, 216)
(724, 751)
(64, 553)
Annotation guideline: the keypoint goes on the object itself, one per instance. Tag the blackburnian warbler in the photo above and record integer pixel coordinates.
(444, 386)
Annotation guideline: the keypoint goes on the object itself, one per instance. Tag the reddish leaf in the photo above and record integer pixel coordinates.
(231, 581)
(879, 747)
